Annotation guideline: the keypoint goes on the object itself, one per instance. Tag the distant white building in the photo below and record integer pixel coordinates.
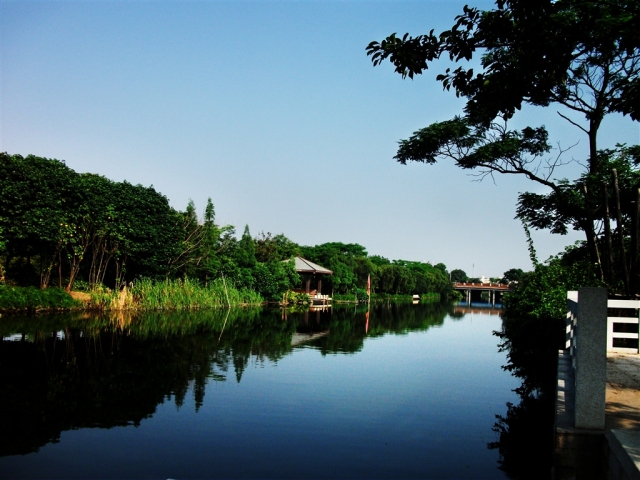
(484, 279)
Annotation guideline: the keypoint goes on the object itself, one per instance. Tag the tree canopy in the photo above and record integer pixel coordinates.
(581, 56)
(61, 227)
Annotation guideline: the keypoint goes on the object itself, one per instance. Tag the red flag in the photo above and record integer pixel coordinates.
(369, 285)
(366, 327)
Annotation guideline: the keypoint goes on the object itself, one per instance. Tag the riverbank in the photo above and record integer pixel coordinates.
(141, 295)
(180, 294)
(386, 298)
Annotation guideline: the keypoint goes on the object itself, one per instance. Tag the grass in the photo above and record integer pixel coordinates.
(32, 298)
(180, 294)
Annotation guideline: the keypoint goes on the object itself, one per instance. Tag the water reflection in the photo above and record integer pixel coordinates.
(476, 308)
(75, 371)
(525, 433)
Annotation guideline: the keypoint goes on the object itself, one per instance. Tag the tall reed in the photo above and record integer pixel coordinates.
(179, 294)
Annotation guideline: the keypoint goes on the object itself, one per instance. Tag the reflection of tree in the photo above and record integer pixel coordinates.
(346, 325)
(79, 371)
(525, 442)
(103, 376)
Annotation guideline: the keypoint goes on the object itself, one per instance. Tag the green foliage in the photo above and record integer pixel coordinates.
(458, 275)
(245, 253)
(566, 206)
(295, 298)
(542, 294)
(352, 267)
(55, 217)
(533, 331)
(30, 298)
(512, 275)
(579, 54)
(595, 197)
(532, 52)
(275, 277)
(65, 228)
(277, 248)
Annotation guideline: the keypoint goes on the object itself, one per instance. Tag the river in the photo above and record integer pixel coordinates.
(406, 391)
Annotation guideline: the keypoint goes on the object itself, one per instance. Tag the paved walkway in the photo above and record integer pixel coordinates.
(623, 391)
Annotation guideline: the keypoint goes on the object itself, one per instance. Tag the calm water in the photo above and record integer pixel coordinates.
(412, 392)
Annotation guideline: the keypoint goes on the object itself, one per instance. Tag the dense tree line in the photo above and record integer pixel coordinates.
(62, 228)
(59, 227)
(352, 266)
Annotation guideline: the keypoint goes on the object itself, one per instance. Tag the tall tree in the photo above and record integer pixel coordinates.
(580, 54)
(246, 250)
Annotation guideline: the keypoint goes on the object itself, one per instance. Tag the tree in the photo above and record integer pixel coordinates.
(3, 246)
(580, 54)
(512, 275)
(274, 248)
(246, 250)
(37, 197)
(593, 199)
(458, 275)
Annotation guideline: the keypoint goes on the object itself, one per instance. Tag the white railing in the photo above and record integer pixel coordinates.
(612, 321)
(572, 324)
(612, 335)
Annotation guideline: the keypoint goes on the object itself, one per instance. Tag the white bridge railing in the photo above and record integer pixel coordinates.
(614, 324)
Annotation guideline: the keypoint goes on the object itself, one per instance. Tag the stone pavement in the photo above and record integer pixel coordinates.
(622, 417)
(623, 391)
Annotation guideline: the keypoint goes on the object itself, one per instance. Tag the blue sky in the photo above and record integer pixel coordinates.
(273, 110)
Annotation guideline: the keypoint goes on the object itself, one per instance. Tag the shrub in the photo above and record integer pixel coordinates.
(31, 298)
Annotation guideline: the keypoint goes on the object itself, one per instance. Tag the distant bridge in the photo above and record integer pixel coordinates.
(496, 291)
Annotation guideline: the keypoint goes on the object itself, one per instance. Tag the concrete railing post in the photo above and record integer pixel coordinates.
(591, 358)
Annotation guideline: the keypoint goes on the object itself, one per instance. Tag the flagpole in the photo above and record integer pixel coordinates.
(369, 300)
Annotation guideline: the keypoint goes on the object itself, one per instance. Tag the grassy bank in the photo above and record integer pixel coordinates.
(178, 294)
(385, 297)
(32, 299)
(143, 294)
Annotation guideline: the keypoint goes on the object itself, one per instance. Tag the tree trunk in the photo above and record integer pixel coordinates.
(607, 236)
(633, 276)
(60, 269)
(623, 256)
(592, 242)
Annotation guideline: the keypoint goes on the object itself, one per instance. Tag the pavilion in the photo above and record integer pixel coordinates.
(309, 271)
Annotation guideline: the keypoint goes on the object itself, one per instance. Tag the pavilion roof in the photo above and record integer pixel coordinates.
(305, 266)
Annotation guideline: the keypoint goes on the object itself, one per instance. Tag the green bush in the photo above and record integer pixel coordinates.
(542, 294)
(31, 298)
